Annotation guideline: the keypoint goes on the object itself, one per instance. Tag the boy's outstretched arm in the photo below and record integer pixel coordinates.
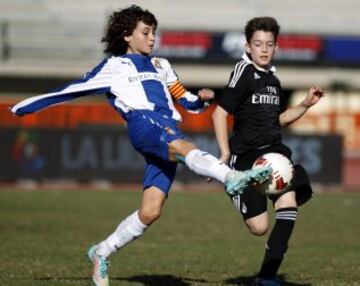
(194, 103)
(294, 113)
(219, 118)
(191, 102)
(96, 81)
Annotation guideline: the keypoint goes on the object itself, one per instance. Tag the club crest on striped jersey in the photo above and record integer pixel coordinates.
(157, 64)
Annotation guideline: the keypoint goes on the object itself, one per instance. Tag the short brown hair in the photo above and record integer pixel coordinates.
(267, 24)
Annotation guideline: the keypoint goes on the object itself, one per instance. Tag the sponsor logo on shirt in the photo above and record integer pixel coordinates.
(269, 97)
(145, 76)
(265, 99)
(256, 76)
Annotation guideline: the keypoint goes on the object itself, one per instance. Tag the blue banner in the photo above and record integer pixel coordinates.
(342, 49)
(225, 47)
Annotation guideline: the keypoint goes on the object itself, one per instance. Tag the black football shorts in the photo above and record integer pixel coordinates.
(251, 202)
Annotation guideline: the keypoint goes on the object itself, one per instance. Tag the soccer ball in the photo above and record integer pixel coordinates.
(281, 177)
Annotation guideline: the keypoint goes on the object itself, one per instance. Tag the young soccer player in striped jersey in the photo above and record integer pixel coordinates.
(143, 90)
(255, 99)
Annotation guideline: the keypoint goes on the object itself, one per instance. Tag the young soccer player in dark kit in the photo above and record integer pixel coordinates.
(255, 99)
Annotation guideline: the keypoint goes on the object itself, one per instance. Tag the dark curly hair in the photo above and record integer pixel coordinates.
(267, 24)
(122, 23)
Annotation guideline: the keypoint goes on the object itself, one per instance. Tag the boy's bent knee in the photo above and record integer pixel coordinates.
(258, 225)
(181, 147)
(149, 215)
(258, 230)
(151, 205)
(286, 200)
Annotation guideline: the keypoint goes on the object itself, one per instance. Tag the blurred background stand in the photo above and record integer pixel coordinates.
(46, 44)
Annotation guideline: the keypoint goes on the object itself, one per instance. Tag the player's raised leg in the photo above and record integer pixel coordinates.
(237, 181)
(205, 164)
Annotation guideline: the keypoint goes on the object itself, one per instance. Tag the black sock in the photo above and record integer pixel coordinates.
(277, 243)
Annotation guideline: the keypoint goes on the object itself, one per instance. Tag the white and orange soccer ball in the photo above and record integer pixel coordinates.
(282, 175)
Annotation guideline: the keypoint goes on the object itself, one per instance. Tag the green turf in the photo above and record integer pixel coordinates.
(200, 240)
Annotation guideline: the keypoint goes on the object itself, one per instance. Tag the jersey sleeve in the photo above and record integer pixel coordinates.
(237, 90)
(96, 81)
(188, 100)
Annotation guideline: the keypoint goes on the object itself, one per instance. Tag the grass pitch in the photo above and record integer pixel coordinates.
(200, 240)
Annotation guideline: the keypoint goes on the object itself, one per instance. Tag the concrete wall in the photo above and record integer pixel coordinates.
(309, 16)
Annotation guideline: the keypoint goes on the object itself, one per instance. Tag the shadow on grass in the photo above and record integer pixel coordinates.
(146, 280)
(170, 280)
(61, 278)
(160, 280)
(247, 280)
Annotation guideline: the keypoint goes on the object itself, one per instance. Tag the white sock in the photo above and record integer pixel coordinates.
(128, 230)
(205, 164)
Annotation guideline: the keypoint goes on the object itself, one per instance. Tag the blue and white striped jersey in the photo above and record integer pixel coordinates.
(132, 82)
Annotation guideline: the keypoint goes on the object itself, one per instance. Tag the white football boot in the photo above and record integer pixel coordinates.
(237, 181)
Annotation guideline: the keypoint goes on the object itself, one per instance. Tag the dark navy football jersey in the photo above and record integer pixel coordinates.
(255, 99)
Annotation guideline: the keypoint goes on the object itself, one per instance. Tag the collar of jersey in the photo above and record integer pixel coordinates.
(135, 56)
(246, 58)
